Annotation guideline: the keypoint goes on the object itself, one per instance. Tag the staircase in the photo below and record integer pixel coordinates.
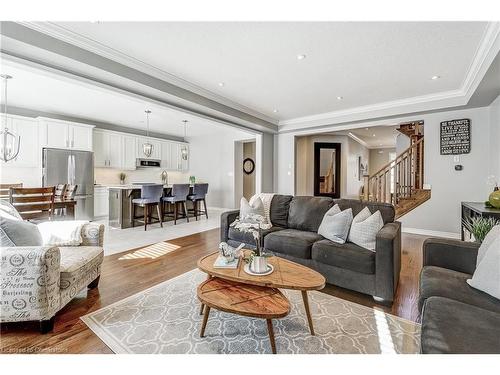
(400, 182)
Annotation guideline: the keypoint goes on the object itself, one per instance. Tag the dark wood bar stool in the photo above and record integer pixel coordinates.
(33, 204)
(150, 197)
(179, 195)
(5, 190)
(199, 194)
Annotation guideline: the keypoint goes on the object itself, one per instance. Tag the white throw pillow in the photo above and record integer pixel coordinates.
(488, 240)
(486, 277)
(364, 229)
(62, 233)
(247, 209)
(335, 224)
(266, 199)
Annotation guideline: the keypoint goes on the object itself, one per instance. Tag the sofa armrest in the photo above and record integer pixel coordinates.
(388, 260)
(225, 220)
(93, 235)
(455, 255)
(29, 277)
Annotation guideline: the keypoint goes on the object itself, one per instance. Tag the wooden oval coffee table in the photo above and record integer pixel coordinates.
(286, 275)
(243, 299)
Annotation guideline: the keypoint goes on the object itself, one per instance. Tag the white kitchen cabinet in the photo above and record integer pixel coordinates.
(101, 202)
(29, 152)
(65, 135)
(107, 149)
(129, 152)
(100, 149)
(172, 156)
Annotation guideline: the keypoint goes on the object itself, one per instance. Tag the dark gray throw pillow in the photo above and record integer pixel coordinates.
(19, 233)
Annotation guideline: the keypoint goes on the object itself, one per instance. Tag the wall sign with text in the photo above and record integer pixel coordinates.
(455, 137)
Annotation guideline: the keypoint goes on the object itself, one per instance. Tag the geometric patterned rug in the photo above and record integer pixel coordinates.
(165, 319)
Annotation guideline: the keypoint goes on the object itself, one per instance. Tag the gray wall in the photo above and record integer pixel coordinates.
(450, 187)
(378, 158)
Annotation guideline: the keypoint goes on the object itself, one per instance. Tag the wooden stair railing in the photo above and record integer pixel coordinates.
(407, 172)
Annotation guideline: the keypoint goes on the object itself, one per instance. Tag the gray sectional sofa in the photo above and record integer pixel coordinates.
(294, 236)
(456, 318)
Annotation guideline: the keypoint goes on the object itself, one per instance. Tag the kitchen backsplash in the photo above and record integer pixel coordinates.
(108, 176)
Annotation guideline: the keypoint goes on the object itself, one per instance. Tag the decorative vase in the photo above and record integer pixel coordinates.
(259, 264)
(494, 199)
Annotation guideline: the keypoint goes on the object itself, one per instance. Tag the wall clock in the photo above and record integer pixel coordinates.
(248, 166)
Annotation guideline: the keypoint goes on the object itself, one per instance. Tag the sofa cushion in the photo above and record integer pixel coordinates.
(15, 232)
(80, 265)
(247, 237)
(348, 256)
(386, 209)
(292, 242)
(278, 212)
(450, 326)
(74, 257)
(306, 213)
(442, 282)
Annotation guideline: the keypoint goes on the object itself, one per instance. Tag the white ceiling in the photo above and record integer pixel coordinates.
(53, 93)
(364, 62)
(377, 136)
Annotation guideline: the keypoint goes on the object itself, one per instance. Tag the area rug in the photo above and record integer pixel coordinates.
(165, 319)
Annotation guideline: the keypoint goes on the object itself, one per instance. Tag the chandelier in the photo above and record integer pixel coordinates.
(9, 142)
(147, 148)
(184, 149)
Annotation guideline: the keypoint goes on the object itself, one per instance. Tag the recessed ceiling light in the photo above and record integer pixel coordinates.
(221, 84)
(373, 135)
(301, 57)
(367, 128)
(435, 77)
(275, 110)
(340, 97)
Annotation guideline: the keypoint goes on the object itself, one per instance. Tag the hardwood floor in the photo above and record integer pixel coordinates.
(132, 271)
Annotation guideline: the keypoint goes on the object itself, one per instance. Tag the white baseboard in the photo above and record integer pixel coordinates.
(219, 208)
(431, 233)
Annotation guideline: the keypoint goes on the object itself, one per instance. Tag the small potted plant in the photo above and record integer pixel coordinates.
(122, 176)
(480, 226)
(192, 180)
(257, 258)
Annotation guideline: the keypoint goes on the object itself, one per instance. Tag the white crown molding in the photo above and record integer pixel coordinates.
(68, 36)
(357, 139)
(487, 50)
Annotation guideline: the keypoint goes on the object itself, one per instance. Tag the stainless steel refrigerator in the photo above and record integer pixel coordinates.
(75, 168)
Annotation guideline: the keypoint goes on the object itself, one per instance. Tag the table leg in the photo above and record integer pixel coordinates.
(70, 212)
(308, 311)
(202, 306)
(270, 330)
(205, 320)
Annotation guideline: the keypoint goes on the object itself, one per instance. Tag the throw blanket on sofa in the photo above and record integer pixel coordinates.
(62, 233)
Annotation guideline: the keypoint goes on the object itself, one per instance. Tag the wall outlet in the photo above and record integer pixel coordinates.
(427, 186)
(456, 159)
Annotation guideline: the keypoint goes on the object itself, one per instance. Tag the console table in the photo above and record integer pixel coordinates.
(474, 209)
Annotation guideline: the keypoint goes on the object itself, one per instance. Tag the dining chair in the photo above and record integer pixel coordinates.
(199, 195)
(150, 196)
(179, 195)
(59, 195)
(33, 204)
(70, 192)
(5, 188)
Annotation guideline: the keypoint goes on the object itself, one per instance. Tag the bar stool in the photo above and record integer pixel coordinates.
(179, 195)
(59, 195)
(199, 193)
(150, 196)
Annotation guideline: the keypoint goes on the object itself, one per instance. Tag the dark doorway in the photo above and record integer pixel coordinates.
(327, 169)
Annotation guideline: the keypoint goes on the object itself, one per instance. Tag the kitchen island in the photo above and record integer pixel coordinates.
(120, 204)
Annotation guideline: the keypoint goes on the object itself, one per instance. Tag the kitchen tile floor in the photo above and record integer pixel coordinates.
(118, 240)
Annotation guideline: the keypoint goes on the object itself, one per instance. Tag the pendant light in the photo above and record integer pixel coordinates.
(9, 142)
(184, 149)
(147, 148)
